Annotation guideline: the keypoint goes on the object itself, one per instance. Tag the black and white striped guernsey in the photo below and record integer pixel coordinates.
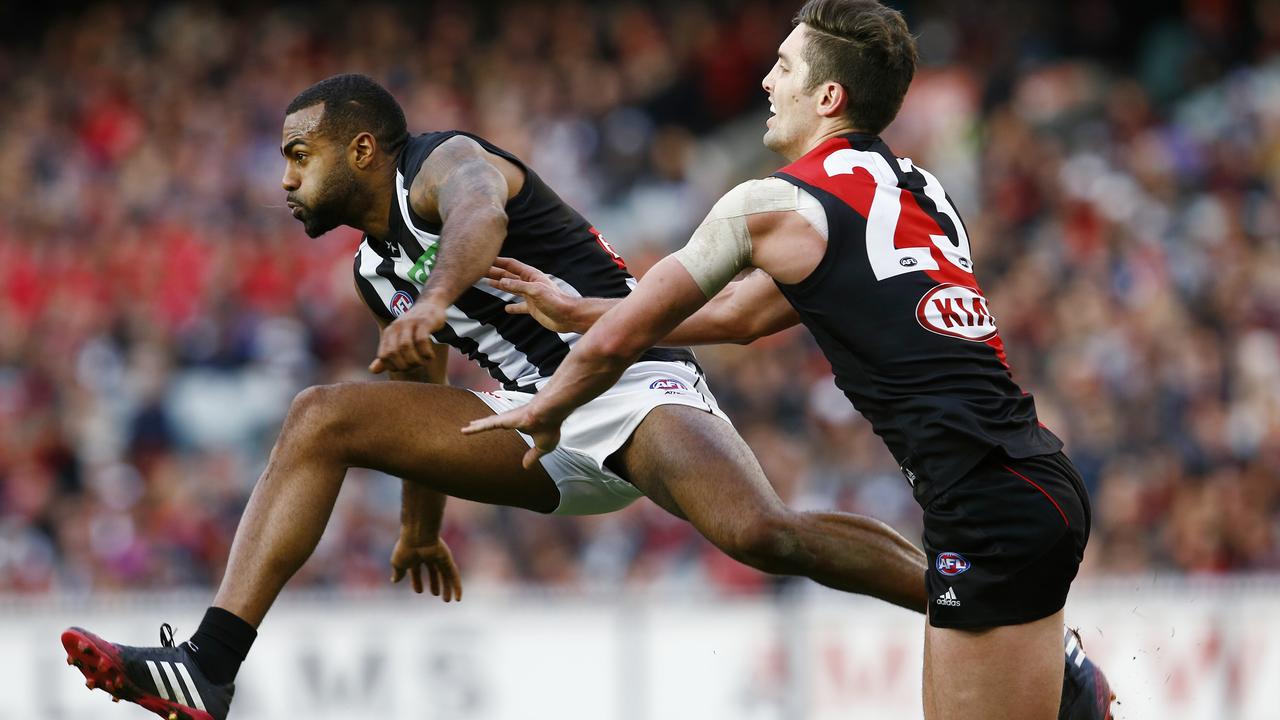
(542, 231)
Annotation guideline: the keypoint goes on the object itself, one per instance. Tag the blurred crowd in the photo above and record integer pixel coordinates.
(159, 307)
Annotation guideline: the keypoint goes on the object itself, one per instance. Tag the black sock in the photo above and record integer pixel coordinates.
(220, 644)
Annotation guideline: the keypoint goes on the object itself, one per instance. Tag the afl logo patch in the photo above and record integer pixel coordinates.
(400, 303)
(667, 384)
(956, 311)
(951, 564)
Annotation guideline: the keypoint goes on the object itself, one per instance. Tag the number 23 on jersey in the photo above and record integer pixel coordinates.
(886, 258)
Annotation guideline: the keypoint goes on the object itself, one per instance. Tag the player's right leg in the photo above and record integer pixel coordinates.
(411, 430)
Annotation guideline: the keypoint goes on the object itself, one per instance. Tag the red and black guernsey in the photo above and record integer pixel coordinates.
(896, 308)
(542, 231)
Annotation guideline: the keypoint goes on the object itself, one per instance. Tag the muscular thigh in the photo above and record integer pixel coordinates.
(1011, 672)
(413, 430)
(696, 466)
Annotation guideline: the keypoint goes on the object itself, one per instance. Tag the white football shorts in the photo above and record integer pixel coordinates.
(596, 430)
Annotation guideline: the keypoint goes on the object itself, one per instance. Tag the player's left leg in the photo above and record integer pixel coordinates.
(696, 466)
(1012, 672)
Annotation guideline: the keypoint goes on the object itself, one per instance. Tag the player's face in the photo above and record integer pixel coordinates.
(321, 185)
(794, 117)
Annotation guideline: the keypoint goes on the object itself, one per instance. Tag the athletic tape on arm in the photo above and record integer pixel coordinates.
(721, 246)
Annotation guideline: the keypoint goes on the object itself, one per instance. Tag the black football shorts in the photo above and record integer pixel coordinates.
(1005, 542)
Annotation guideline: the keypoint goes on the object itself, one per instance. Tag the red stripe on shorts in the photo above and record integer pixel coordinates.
(1042, 492)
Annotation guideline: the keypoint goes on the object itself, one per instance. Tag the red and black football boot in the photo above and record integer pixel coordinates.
(165, 680)
(1086, 694)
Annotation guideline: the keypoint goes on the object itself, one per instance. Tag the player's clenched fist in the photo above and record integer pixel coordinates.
(406, 343)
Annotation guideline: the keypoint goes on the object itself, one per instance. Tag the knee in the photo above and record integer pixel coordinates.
(314, 415)
(768, 542)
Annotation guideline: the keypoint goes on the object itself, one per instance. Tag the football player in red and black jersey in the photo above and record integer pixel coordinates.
(867, 251)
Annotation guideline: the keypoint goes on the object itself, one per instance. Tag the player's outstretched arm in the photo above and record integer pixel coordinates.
(745, 310)
(719, 249)
(665, 297)
(546, 302)
(467, 189)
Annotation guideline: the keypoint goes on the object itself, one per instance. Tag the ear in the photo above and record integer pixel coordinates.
(832, 99)
(362, 150)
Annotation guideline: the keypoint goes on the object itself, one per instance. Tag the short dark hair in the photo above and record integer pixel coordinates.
(866, 48)
(354, 104)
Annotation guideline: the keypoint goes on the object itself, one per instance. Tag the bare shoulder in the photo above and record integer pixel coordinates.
(461, 158)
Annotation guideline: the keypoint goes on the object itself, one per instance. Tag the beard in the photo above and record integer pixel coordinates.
(334, 204)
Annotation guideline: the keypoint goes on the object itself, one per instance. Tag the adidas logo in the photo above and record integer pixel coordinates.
(948, 598)
(189, 697)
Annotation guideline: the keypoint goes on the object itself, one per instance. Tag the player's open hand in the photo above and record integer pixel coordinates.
(541, 298)
(545, 432)
(442, 573)
(406, 342)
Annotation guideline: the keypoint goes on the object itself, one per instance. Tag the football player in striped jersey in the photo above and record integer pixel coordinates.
(436, 210)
